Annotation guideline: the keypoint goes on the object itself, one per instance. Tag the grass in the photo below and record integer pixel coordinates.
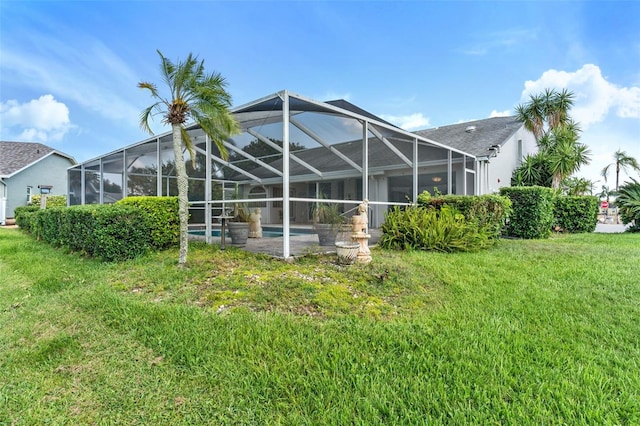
(528, 332)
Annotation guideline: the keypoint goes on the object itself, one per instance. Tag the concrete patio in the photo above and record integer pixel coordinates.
(300, 245)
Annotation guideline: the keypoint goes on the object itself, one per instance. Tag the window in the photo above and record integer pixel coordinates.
(29, 194)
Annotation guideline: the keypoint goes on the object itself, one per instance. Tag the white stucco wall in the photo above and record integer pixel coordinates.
(51, 170)
(500, 168)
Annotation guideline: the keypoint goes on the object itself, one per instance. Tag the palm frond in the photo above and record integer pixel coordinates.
(148, 113)
(188, 143)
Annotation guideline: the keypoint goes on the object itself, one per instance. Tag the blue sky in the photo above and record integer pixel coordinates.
(69, 69)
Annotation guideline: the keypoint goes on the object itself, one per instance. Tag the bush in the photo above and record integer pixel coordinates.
(50, 226)
(576, 213)
(487, 212)
(628, 203)
(80, 226)
(120, 233)
(161, 214)
(427, 228)
(532, 211)
(111, 232)
(52, 200)
(25, 215)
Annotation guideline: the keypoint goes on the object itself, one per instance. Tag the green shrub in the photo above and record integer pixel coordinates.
(80, 225)
(487, 212)
(25, 216)
(628, 203)
(427, 228)
(161, 214)
(120, 233)
(52, 200)
(576, 213)
(111, 232)
(532, 211)
(51, 226)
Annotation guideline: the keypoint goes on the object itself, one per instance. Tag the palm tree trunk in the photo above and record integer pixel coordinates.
(617, 175)
(183, 193)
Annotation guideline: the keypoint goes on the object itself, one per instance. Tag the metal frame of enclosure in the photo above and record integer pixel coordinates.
(290, 152)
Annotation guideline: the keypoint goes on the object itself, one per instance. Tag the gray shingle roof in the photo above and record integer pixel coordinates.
(15, 156)
(487, 132)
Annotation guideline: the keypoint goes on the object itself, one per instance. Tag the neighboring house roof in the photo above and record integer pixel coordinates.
(17, 156)
(475, 137)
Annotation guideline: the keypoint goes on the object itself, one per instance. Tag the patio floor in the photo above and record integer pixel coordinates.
(300, 245)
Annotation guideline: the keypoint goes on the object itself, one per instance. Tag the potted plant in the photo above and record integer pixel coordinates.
(327, 219)
(239, 225)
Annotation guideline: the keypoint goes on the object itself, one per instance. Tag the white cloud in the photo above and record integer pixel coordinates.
(505, 113)
(500, 40)
(408, 122)
(87, 73)
(595, 97)
(609, 115)
(39, 120)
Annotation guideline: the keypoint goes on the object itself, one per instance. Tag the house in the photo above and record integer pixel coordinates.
(292, 150)
(27, 169)
(499, 144)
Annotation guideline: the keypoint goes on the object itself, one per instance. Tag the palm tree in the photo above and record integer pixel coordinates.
(546, 111)
(565, 155)
(547, 116)
(621, 161)
(577, 186)
(195, 95)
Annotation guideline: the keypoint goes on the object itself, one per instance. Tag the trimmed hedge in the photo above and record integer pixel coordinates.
(532, 211)
(50, 226)
(121, 232)
(161, 213)
(25, 215)
(487, 212)
(576, 213)
(110, 232)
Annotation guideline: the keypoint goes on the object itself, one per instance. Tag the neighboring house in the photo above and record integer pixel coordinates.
(499, 145)
(28, 168)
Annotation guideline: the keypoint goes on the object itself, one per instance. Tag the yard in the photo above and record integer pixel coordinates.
(528, 332)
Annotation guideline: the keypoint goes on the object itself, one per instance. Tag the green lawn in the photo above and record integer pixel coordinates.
(528, 332)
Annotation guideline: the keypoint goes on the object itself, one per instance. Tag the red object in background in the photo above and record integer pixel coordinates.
(604, 204)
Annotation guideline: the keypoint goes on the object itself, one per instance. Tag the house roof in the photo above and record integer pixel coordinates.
(475, 137)
(17, 156)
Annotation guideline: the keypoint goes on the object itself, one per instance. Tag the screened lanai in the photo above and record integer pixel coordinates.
(290, 152)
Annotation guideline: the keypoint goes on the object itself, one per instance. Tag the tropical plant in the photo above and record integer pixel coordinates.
(326, 213)
(427, 228)
(565, 155)
(574, 186)
(546, 111)
(560, 154)
(533, 171)
(628, 201)
(193, 95)
(240, 210)
(622, 161)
